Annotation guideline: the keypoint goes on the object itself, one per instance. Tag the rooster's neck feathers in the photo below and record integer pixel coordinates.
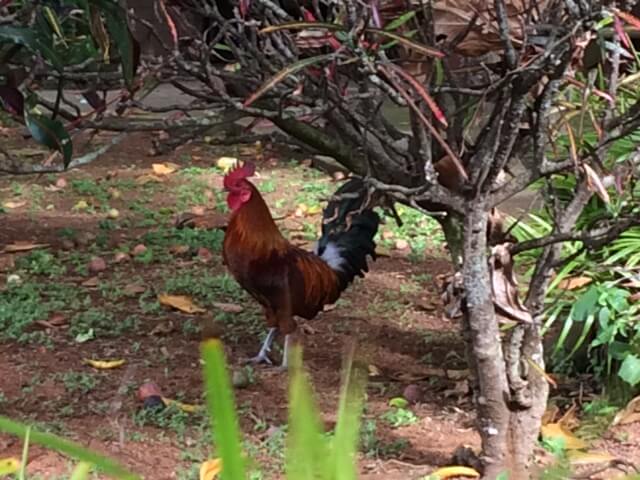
(254, 223)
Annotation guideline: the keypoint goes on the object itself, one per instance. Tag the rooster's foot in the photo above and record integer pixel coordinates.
(308, 329)
(259, 359)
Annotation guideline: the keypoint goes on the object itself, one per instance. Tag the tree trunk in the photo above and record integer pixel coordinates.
(492, 409)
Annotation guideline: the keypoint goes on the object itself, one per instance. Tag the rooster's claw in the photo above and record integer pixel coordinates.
(258, 359)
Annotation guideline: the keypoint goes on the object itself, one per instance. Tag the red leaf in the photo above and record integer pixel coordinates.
(244, 7)
(170, 23)
(12, 100)
(630, 19)
(308, 16)
(624, 38)
(418, 87)
(375, 13)
(597, 92)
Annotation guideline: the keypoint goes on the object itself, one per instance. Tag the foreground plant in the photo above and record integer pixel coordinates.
(311, 453)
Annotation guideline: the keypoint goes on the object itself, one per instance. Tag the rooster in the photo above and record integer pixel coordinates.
(286, 280)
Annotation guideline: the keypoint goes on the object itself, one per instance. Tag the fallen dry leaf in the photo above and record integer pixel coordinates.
(179, 249)
(456, 471)
(229, 307)
(80, 205)
(148, 178)
(91, 282)
(163, 328)
(185, 407)
(558, 431)
(164, 168)
(57, 319)
(206, 222)
(550, 414)
(210, 469)
(630, 413)
(594, 182)
(7, 263)
(180, 302)
(9, 465)
(226, 163)
(589, 458)
(374, 371)
(17, 204)
(505, 286)
(104, 364)
(572, 283)
(133, 289)
(21, 246)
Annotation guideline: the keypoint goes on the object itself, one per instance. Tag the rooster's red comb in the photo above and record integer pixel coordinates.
(239, 173)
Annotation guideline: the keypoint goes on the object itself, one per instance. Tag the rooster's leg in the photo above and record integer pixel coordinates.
(263, 354)
(285, 353)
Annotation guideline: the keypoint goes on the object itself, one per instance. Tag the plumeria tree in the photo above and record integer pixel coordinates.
(501, 96)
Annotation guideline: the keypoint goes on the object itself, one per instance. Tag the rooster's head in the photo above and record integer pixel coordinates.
(235, 182)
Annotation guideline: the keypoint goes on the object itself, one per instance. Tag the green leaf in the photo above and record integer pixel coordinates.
(50, 133)
(118, 28)
(284, 73)
(29, 38)
(25, 455)
(401, 20)
(222, 412)
(586, 304)
(302, 26)
(71, 449)
(407, 42)
(630, 370)
(82, 471)
(398, 402)
(306, 456)
(345, 441)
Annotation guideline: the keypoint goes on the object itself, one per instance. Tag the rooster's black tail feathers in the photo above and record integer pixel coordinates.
(347, 232)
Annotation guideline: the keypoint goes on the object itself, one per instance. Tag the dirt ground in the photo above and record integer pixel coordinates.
(110, 247)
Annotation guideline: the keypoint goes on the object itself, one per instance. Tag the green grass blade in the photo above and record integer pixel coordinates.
(25, 455)
(307, 455)
(71, 449)
(222, 412)
(345, 442)
(82, 471)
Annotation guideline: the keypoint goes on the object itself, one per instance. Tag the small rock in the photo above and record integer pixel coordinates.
(401, 244)
(240, 379)
(113, 213)
(120, 257)
(199, 210)
(413, 393)
(149, 389)
(84, 239)
(14, 279)
(154, 402)
(67, 244)
(97, 264)
(338, 175)
(139, 249)
(204, 254)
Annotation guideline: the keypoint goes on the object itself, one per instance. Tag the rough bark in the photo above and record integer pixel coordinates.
(492, 409)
